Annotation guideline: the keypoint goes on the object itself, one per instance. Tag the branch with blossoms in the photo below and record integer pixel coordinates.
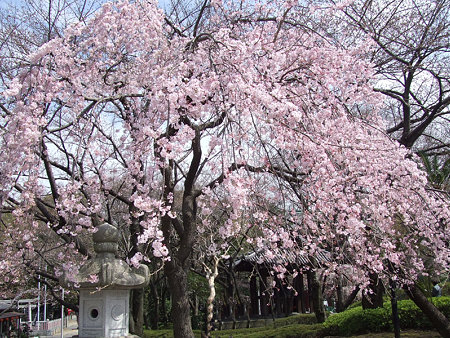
(57, 297)
(58, 223)
(285, 174)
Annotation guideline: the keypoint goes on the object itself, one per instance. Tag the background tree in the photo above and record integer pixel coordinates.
(411, 44)
(438, 171)
(28, 24)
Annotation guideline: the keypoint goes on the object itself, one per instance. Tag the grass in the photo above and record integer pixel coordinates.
(404, 334)
(270, 333)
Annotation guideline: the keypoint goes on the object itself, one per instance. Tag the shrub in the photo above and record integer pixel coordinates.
(302, 318)
(446, 289)
(298, 326)
(358, 321)
(350, 322)
(355, 304)
(198, 321)
(443, 304)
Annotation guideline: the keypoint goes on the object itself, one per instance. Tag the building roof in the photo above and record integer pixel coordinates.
(283, 257)
(8, 315)
(17, 303)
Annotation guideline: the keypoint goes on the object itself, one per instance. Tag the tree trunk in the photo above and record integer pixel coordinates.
(340, 295)
(374, 299)
(436, 317)
(155, 318)
(342, 304)
(300, 294)
(351, 297)
(211, 277)
(278, 297)
(254, 296)
(316, 293)
(137, 312)
(165, 316)
(181, 312)
(231, 293)
(136, 296)
(195, 305)
(394, 306)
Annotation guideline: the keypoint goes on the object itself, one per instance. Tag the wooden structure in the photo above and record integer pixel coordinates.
(291, 295)
(10, 324)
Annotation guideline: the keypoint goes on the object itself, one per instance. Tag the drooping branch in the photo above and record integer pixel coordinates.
(174, 27)
(285, 174)
(58, 224)
(61, 301)
(81, 248)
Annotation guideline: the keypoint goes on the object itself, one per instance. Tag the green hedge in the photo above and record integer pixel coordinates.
(302, 318)
(301, 325)
(359, 321)
(351, 322)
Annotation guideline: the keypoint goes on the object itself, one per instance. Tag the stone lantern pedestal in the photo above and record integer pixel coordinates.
(105, 283)
(104, 313)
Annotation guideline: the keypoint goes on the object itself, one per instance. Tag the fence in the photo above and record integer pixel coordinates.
(49, 327)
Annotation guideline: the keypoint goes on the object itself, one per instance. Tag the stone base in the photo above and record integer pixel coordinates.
(103, 313)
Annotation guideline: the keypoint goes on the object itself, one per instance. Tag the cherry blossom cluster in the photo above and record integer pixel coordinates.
(122, 109)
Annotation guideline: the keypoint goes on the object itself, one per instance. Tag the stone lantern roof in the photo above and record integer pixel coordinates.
(105, 270)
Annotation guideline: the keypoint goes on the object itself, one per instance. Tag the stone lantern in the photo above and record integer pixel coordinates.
(105, 283)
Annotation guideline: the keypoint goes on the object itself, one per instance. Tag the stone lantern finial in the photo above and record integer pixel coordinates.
(106, 240)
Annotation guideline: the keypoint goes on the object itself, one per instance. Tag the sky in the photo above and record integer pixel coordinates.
(4, 3)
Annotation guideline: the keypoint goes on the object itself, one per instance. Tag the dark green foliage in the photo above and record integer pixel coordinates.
(301, 325)
(198, 321)
(290, 331)
(446, 289)
(157, 333)
(359, 321)
(443, 304)
(438, 170)
(355, 304)
(351, 322)
(411, 316)
(303, 318)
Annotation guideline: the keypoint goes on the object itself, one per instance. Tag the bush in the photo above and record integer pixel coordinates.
(412, 317)
(292, 326)
(350, 322)
(446, 289)
(302, 318)
(198, 321)
(359, 321)
(355, 304)
(443, 304)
